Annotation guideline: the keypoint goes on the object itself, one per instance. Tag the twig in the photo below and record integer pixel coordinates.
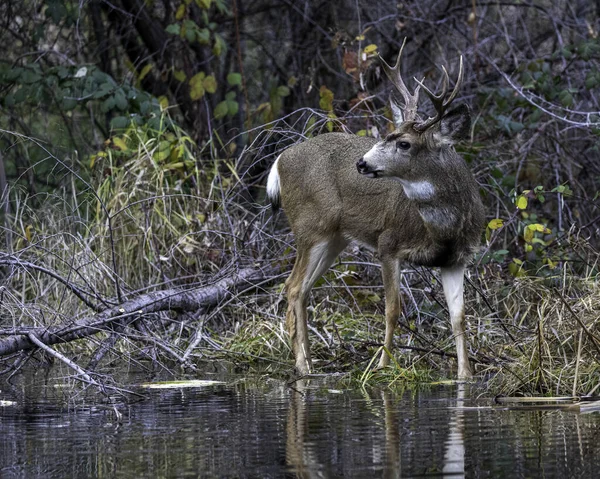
(75, 289)
(35, 340)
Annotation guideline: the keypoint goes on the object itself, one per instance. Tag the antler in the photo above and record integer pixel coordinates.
(438, 100)
(410, 100)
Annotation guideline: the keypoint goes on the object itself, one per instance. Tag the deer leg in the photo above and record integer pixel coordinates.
(312, 261)
(452, 281)
(391, 284)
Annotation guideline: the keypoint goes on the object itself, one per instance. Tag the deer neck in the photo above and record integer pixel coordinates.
(439, 207)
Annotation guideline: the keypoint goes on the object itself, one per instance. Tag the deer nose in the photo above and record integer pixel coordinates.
(361, 166)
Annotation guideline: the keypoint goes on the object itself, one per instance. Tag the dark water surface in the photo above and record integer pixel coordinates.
(266, 429)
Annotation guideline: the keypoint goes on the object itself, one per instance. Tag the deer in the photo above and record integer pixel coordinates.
(409, 197)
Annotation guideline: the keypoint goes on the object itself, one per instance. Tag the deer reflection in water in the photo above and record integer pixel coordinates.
(306, 459)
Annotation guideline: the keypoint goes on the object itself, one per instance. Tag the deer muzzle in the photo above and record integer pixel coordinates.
(364, 169)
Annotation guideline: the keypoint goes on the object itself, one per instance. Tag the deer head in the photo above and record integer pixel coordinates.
(410, 152)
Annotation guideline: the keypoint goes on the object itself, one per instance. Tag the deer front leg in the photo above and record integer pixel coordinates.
(310, 265)
(391, 284)
(452, 281)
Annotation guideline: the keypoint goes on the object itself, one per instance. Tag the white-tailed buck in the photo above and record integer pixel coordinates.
(409, 197)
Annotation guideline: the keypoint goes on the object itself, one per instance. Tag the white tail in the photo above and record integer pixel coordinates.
(410, 197)
(273, 185)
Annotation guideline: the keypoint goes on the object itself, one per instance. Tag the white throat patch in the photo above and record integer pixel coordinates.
(418, 190)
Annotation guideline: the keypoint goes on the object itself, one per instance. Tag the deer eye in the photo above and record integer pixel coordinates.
(403, 145)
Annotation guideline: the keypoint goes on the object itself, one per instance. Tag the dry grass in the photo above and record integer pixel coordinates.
(151, 217)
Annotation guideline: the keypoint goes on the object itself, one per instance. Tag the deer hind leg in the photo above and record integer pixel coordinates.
(391, 284)
(311, 262)
(452, 281)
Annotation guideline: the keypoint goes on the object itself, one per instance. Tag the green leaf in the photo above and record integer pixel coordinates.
(515, 126)
(108, 104)
(21, 94)
(522, 202)
(372, 48)
(233, 107)
(132, 93)
(203, 36)
(69, 104)
(179, 75)
(563, 189)
(51, 81)
(62, 73)
(119, 122)
(173, 29)
(326, 101)
(516, 268)
(496, 223)
(103, 90)
(144, 107)
(234, 79)
(197, 86)
(283, 91)
(189, 30)
(180, 12)
(163, 152)
(566, 98)
(222, 7)
(591, 81)
(221, 110)
(190, 35)
(205, 4)
(210, 84)
(120, 142)
(30, 77)
(529, 232)
(147, 68)
(220, 46)
(14, 73)
(121, 100)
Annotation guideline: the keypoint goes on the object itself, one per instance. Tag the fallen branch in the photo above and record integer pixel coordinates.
(167, 300)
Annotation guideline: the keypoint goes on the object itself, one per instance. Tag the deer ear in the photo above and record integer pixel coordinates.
(396, 112)
(456, 123)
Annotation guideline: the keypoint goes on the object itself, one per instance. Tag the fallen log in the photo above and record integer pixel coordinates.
(167, 300)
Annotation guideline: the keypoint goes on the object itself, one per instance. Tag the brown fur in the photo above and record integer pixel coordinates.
(329, 203)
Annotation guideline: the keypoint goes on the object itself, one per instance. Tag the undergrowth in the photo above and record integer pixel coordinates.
(148, 215)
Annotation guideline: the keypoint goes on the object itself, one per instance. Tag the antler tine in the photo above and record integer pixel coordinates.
(458, 83)
(438, 100)
(394, 75)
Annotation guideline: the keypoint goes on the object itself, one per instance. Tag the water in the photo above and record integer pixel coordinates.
(264, 428)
